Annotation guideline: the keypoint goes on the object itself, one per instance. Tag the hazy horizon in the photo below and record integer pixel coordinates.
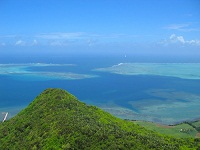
(142, 28)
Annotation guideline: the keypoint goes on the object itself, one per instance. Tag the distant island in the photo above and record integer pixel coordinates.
(58, 120)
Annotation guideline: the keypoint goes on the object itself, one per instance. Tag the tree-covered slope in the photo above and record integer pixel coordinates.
(57, 120)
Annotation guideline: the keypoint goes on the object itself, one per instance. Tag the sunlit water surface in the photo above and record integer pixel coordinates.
(166, 93)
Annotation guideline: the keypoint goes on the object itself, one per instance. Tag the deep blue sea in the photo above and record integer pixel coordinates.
(124, 96)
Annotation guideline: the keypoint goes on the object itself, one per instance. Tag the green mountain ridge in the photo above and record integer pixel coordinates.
(58, 120)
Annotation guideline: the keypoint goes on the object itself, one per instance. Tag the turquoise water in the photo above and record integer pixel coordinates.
(164, 98)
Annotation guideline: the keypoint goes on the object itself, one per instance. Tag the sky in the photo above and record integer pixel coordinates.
(149, 27)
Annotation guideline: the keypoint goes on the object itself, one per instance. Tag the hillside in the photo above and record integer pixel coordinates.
(57, 120)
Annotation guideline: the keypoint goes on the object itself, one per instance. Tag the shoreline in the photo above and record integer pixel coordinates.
(175, 124)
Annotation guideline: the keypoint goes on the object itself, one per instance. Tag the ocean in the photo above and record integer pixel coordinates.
(166, 99)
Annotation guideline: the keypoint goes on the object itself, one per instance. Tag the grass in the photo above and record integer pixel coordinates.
(183, 130)
(196, 123)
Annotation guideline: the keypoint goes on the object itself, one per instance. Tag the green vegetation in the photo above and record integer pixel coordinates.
(57, 120)
(195, 124)
(183, 130)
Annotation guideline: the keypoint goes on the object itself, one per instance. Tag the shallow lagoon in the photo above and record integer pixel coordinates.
(161, 92)
(180, 70)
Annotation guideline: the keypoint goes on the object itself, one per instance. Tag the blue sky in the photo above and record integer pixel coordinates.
(90, 26)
